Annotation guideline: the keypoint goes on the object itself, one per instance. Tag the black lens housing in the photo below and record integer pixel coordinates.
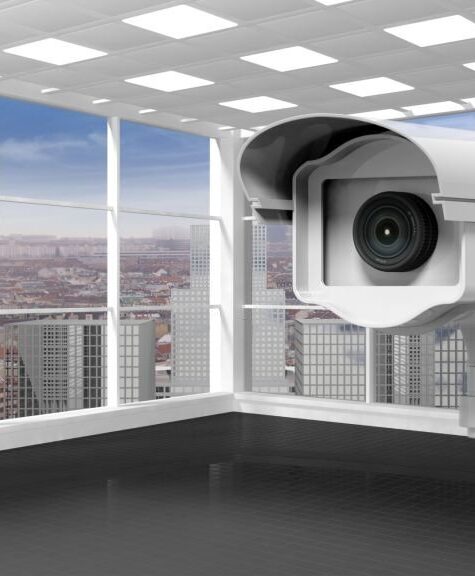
(395, 231)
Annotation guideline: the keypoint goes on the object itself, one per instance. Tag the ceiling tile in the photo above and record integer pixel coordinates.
(46, 16)
(223, 70)
(113, 36)
(388, 64)
(441, 74)
(389, 12)
(359, 44)
(314, 25)
(247, 10)
(115, 7)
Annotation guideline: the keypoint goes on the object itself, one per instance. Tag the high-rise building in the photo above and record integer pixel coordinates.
(60, 365)
(190, 321)
(268, 325)
(330, 359)
(421, 369)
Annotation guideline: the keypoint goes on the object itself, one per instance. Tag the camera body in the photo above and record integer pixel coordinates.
(383, 215)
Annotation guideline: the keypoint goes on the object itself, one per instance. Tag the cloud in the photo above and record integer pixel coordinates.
(42, 149)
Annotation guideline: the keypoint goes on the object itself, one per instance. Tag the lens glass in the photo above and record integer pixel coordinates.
(387, 231)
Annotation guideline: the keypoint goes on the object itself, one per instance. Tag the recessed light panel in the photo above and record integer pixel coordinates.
(180, 22)
(223, 128)
(169, 81)
(294, 58)
(470, 101)
(147, 111)
(434, 108)
(49, 90)
(436, 31)
(53, 51)
(258, 104)
(387, 114)
(186, 120)
(332, 2)
(101, 101)
(372, 87)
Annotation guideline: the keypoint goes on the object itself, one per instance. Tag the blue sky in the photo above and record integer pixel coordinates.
(58, 154)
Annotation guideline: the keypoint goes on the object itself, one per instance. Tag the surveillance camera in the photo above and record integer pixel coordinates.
(383, 220)
(383, 215)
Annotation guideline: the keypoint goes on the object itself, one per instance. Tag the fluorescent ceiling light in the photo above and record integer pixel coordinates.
(470, 65)
(434, 108)
(169, 81)
(246, 133)
(332, 2)
(470, 101)
(49, 90)
(294, 58)
(258, 104)
(226, 128)
(147, 110)
(436, 31)
(53, 51)
(186, 120)
(387, 114)
(257, 128)
(101, 101)
(372, 87)
(180, 22)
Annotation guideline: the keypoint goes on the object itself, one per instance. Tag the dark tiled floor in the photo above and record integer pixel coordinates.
(239, 495)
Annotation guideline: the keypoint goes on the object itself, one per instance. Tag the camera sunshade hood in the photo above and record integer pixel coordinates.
(269, 159)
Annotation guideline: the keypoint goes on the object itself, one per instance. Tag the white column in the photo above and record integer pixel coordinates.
(227, 281)
(113, 261)
(370, 365)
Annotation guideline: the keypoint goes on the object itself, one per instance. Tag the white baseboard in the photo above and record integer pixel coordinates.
(33, 430)
(437, 420)
(75, 424)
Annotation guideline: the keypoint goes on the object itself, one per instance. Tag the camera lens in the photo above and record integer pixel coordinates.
(395, 231)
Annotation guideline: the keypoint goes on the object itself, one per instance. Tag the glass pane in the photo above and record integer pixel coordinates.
(52, 257)
(421, 369)
(164, 261)
(308, 353)
(164, 169)
(52, 153)
(271, 264)
(164, 354)
(52, 363)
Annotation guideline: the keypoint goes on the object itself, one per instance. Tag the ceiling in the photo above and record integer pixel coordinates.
(351, 32)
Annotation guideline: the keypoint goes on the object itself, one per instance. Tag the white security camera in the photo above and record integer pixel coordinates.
(383, 217)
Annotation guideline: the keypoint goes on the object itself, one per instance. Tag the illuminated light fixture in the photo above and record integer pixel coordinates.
(257, 128)
(246, 133)
(180, 21)
(294, 58)
(436, 31)
(258, 104)
(53, 51)
(147, 110)
(332, 2)
(470, 65)
(434, 108)
(470, 101)
(49, 90)
(226, 128)
(387, 114)
(101, 101)
(169, 81)
(186, 120)
(372, 87)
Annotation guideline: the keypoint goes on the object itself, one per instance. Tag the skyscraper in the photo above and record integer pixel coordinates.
(58, 365)
(330, 359)
(268, 326)
(190, 321)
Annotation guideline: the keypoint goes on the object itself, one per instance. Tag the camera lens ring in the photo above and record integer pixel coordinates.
(395, 231)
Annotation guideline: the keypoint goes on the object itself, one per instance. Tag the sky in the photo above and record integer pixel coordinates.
(52, 153)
